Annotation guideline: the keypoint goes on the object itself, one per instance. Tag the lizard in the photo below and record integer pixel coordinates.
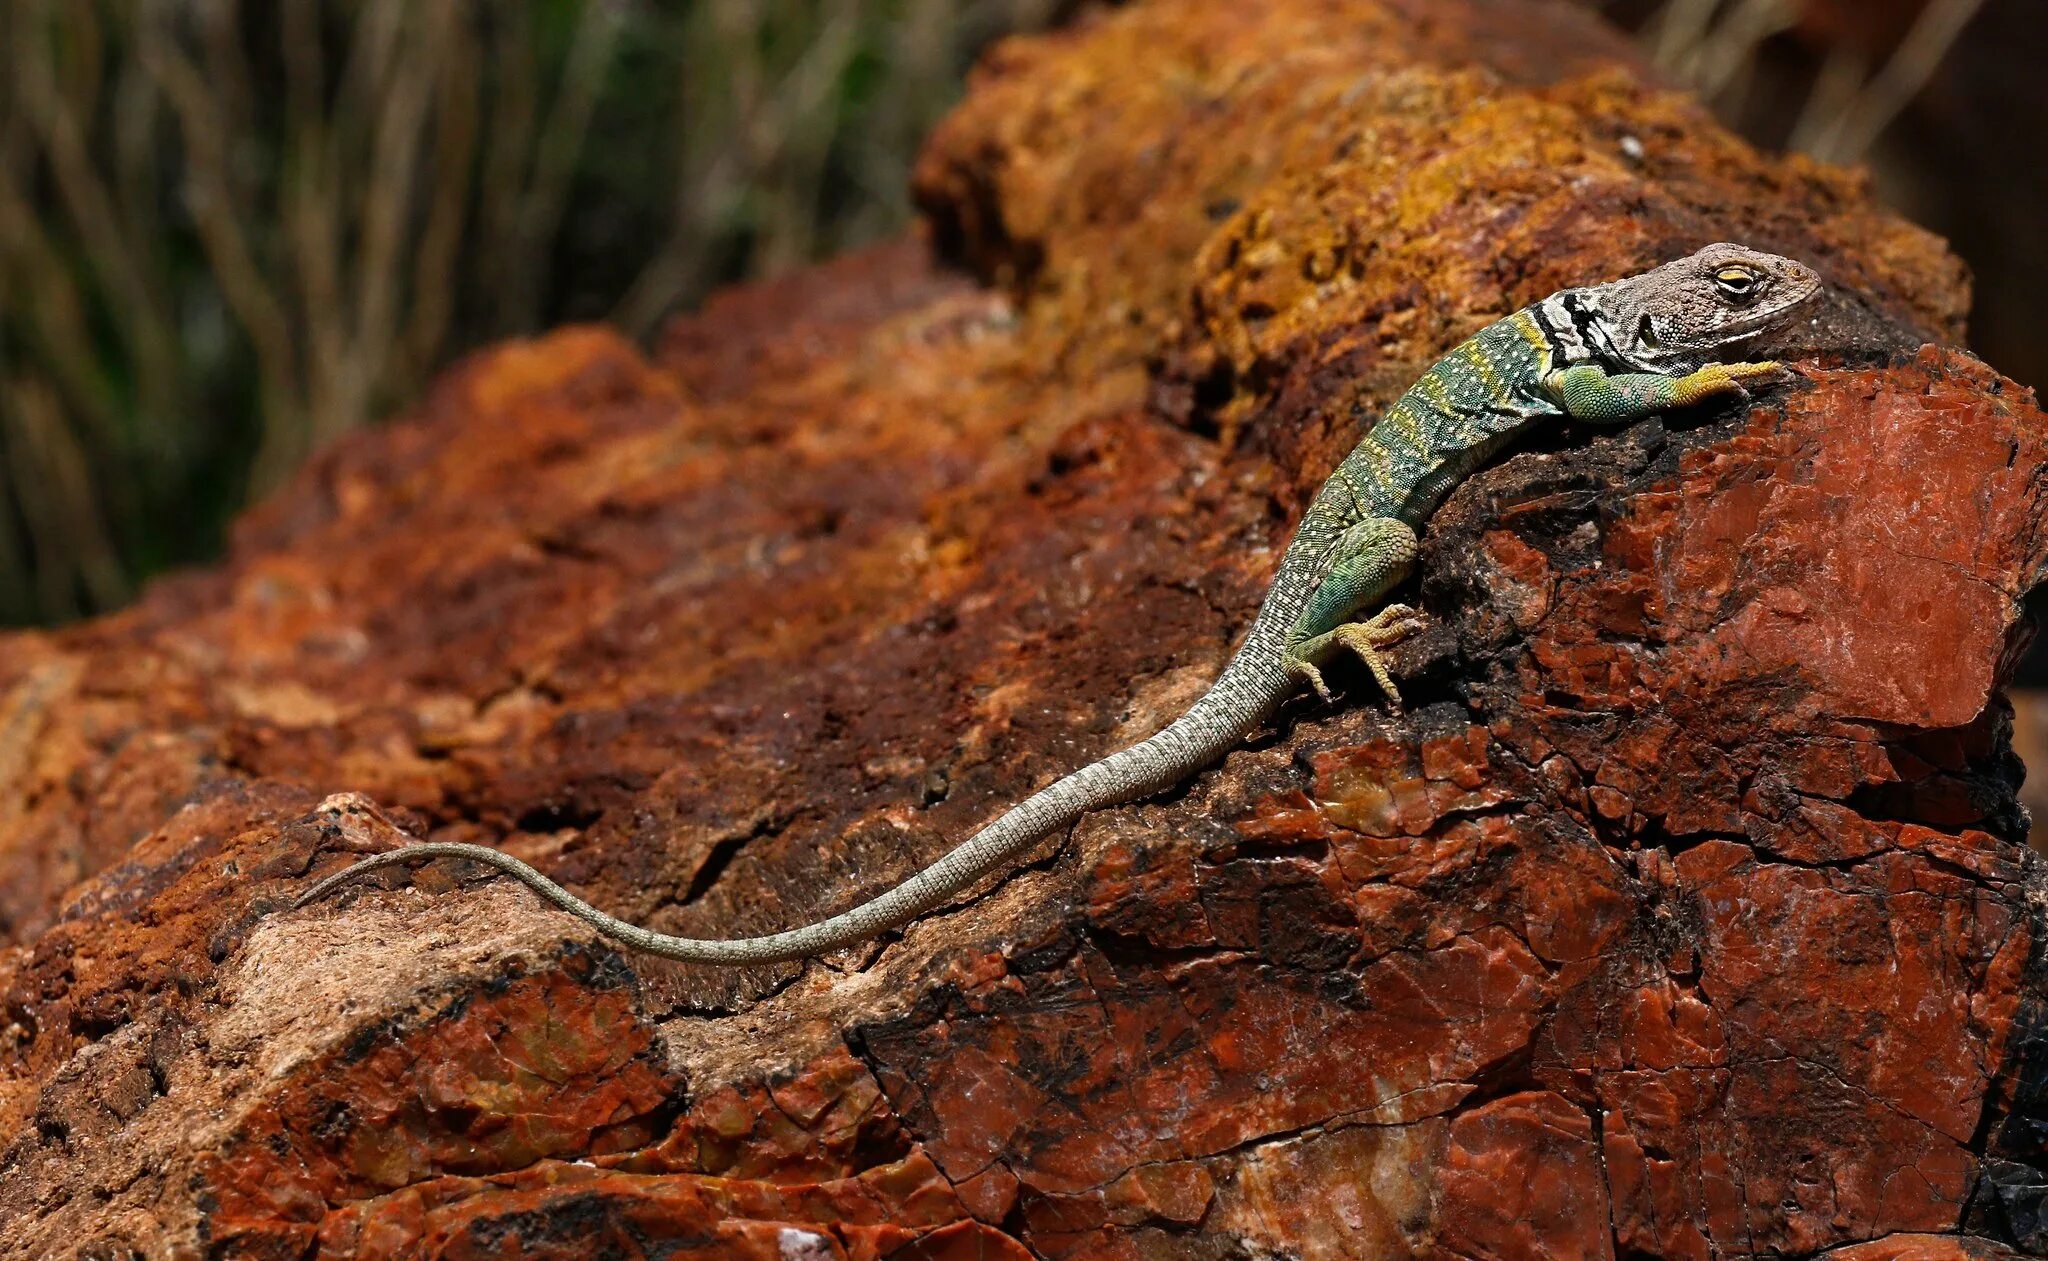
(1604, 354)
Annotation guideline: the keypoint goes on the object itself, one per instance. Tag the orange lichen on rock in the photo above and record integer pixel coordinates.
(1686, 912)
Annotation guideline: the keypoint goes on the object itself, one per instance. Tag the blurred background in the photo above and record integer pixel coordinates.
(231, 230)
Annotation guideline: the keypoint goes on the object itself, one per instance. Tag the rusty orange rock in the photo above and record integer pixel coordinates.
(1686, 913)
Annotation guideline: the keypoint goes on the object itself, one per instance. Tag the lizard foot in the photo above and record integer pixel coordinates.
(1369, 640)
(1740, 379)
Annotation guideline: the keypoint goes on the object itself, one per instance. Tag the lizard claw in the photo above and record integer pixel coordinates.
(1306, 671)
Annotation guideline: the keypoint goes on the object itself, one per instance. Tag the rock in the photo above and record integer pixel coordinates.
(1686, 912)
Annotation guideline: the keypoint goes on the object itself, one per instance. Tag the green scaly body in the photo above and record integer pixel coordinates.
(1466, 407)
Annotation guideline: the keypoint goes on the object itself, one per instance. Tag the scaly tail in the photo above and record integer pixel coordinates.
(1250, 687)
(1240, 700)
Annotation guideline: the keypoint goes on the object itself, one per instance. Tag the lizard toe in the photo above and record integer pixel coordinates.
(1303, 671)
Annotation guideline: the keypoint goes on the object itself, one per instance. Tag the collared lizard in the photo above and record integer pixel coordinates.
(1607, 354)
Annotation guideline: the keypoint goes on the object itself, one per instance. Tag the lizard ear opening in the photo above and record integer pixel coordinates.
(1646, 333)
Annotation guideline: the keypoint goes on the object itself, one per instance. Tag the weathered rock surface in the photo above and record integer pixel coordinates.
(1686, 913)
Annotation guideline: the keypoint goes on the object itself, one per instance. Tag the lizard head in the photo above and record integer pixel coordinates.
(1703, 307)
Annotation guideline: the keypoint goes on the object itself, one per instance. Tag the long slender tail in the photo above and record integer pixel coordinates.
(1248, 690)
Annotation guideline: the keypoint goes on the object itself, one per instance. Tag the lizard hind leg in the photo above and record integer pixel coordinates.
(1371, 559)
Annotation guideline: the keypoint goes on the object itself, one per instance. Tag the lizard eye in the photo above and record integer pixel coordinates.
(1737, 284)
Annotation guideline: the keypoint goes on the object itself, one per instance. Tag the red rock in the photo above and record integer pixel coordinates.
(1686, 912)
(1921, 1248)
(1523, 1178)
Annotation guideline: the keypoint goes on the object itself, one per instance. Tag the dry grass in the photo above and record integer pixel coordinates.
(231, 230)
(1714, 46)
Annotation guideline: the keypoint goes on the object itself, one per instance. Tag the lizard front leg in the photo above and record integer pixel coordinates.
(1371, 559)
(1586, 392)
